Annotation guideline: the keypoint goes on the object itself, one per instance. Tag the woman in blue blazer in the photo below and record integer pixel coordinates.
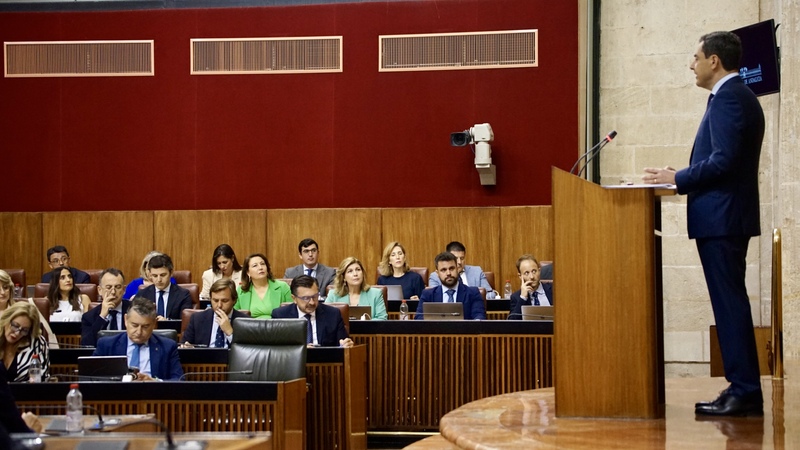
(350, 287)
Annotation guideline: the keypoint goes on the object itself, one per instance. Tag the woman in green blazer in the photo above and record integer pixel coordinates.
(260, 292)
(350, 287)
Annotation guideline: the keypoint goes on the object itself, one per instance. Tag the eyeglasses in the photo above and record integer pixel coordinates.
(309, 251)
(308, 298)
(63, 260)
(15, 328)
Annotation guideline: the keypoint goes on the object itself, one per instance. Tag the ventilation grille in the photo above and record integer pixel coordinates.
(453, 51)
(78, 59)
(267, 55)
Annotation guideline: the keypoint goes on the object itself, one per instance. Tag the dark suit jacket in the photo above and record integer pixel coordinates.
(91, 323)
(164, 361)
(470, 296)
(324, 276)
(9, 414)
(517, 302)
(179, 299)
(722, 177)
(199, 329)
(330, 326)
(78, 276)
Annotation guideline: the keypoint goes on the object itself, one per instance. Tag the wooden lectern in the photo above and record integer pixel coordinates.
(608, 328)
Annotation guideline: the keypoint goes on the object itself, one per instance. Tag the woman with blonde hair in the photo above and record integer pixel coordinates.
(21, 338)
(394, 270)
(67, 304)
(349, 286)
(7, 299)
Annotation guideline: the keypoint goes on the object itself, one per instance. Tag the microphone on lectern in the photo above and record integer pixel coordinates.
(592, 152)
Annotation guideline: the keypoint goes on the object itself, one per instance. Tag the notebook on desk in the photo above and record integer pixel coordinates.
(530, 312)
(443, 311)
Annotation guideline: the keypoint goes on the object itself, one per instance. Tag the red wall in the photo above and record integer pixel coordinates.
(353, 139)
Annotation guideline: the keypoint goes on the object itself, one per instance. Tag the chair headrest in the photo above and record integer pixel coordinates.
(269, 332)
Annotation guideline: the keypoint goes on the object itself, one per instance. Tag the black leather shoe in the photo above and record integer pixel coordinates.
(733, 405)
(712, 402)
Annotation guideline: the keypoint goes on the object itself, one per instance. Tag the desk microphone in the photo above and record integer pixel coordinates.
(231, 372)
(538, 316)
(169, 444)
(60, 346)
(80, 377)
(593, 152)
(440, 314)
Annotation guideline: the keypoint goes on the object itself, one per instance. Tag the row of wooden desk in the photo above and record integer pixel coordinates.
(404, 378)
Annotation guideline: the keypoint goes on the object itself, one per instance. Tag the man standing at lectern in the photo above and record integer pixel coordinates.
(723, 212)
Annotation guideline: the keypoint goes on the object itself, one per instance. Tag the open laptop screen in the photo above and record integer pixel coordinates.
(443, 311)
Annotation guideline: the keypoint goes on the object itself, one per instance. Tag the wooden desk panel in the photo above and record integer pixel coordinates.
(188, 407)
(416, 376)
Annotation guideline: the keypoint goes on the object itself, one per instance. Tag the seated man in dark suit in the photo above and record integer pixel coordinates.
(212, 327)
(57, 257)
(308, 250)
(155, 356)
(170, 298)
(533, 292)
(110, 314)
(447, 271)
(326, 327)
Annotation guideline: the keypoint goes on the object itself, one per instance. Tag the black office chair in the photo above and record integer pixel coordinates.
(275, 350)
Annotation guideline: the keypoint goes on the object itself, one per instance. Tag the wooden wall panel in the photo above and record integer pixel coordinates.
(190, 237)
(424, 232)
(524, 229)
(339, 232)
(21, 243)
(98, 240)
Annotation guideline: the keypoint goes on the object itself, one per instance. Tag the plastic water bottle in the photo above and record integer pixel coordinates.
(17, 291)
(507, 289)
(74, 409)
(404, 310)
(35, 370)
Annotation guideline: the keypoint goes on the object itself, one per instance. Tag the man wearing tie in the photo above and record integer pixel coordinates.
(533, 292)
(722, 212)
(452, 290)
(212, 327)
(468, 275)
(155, 356)
(325, 324)
(309, 254)
(110, 314)
(170, 298)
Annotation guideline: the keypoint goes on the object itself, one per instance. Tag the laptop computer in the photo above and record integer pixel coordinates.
(102, 368)
(443, 311)
(394, 292)
(355, 312)
(530, 312)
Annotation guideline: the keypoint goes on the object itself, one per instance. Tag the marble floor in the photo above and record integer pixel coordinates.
(527, 420)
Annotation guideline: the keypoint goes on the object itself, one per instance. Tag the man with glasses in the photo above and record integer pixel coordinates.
(58, 256)
(309, 254)
(110, 314)
(325, 324)
(155, 356)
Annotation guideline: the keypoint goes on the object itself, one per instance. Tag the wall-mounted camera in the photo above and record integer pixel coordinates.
(479, 135)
